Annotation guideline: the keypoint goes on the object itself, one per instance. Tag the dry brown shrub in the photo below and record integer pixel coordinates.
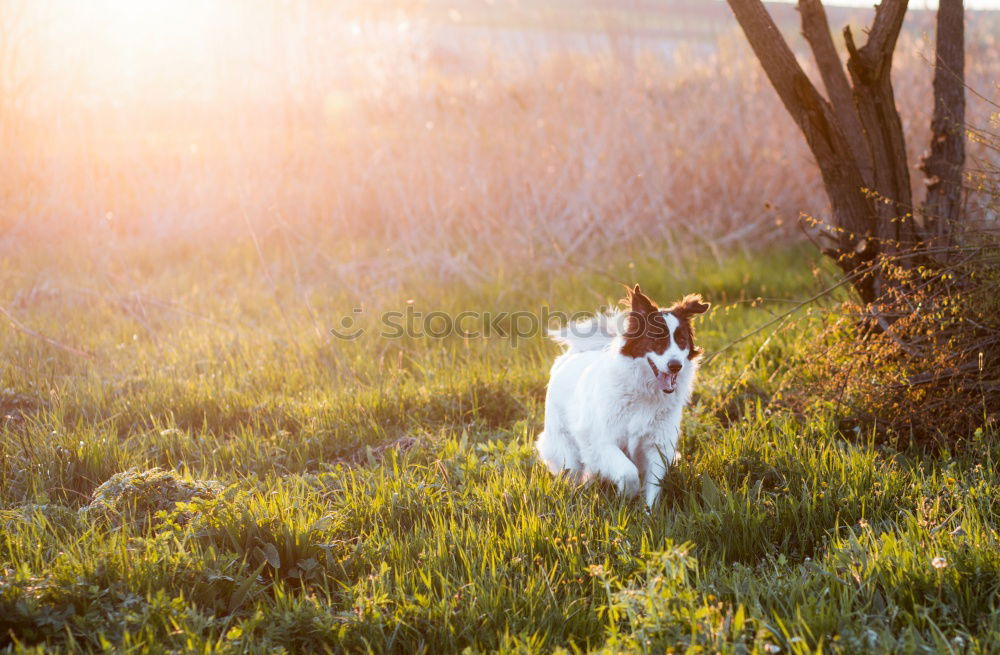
(930, 375)
(920, 366)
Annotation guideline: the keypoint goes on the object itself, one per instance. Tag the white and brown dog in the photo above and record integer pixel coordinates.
(615, 397)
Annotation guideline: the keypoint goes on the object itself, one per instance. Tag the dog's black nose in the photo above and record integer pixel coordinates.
(674, 366)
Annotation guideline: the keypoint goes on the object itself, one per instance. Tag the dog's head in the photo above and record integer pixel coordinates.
(663, 337)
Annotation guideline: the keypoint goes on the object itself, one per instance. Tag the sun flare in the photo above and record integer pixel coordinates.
(116, 45)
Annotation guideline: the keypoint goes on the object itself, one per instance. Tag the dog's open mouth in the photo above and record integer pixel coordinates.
(665, 380)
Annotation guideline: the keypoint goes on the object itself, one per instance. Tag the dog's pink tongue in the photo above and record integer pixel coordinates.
(667, 382)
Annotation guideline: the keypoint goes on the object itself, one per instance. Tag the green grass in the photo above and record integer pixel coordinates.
(384, 496)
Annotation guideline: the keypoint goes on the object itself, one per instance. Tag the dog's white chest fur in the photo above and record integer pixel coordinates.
(617, 415)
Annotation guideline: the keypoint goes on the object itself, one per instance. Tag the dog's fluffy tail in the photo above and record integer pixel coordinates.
(593, 333)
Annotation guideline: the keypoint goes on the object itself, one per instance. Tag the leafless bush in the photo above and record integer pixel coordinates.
(931, 373)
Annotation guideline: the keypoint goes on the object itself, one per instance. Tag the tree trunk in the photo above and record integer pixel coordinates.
(852, 210)
(857, 136)
(816, 30)
(943, 165)
(870, 68)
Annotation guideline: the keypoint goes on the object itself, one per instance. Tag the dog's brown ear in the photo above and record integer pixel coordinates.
(638, 301)
(690, 305)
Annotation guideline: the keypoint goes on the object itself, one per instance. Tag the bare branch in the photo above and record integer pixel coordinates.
(816, 31)
(18, 325)
(853, 212)
(885, 28)
(870, 68)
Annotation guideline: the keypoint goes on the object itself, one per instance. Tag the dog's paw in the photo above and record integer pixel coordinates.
(652, 494)
(628, 484)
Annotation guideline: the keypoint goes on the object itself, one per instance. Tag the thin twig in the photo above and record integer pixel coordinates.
(38, 335)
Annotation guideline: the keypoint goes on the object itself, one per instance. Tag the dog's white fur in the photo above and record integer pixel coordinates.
(604, 414)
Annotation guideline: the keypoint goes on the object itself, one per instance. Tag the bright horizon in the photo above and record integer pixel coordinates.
(915, 4)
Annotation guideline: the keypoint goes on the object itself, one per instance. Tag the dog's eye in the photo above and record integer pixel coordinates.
(679, 339)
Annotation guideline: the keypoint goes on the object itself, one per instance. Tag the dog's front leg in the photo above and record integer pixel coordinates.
(612, 464)
(657, 464)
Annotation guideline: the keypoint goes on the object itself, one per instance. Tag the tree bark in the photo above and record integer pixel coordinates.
(853, 211)
(816, 31)
(870, 67)
(943, 165)
(857, 136)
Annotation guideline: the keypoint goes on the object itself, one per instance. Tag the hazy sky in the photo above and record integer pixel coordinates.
(915, 4)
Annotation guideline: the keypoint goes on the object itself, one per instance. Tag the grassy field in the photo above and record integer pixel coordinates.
(383, 495)
(194, 194)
